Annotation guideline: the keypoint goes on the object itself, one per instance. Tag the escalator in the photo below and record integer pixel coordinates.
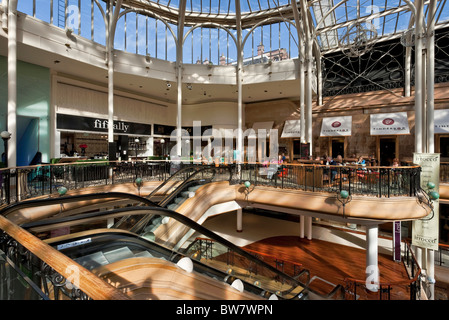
(101, 251)
(194, 177)
(96, 248)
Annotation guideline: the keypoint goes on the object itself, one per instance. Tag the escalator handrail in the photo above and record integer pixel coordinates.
(159, 187)
(180, 188)
(73, 198)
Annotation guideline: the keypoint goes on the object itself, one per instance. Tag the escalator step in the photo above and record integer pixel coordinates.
(93, 260)
(144, 254)
(118, 254)
(173, 206)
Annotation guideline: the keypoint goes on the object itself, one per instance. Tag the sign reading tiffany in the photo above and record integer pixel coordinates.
(221, 145)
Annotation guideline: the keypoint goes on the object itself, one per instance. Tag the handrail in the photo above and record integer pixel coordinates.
(195, 163)
(87, 282)
(170, 197)
(181, 171)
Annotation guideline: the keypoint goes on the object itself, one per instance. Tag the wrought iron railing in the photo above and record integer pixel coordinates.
(27, 182)
(357, 180)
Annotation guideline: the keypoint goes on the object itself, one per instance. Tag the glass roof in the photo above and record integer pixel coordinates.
(143, 26)
(387, 17)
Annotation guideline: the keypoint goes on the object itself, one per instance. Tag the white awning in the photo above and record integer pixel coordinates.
(441, 121)
(336, 126)
(292, 129)
(389, 123)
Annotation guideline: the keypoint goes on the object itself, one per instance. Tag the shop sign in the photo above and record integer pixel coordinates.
(79, 123)
(336, 126)
(425, 231)
(441, 121)
(389, 123)
(292, 129)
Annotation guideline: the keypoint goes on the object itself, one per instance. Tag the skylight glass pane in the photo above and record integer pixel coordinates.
(119, 39)
(351, 7)
(131, 32)
(403, 21)
(43, 11)
(443, 13)
(244, 6)
(390, 24)
(25, 6)
(99, 26)
(141, 33)
(171, 44)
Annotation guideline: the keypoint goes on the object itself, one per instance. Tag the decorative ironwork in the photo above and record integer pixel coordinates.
(408, 38)
(358, 40)
(43, 278)
(380, 69)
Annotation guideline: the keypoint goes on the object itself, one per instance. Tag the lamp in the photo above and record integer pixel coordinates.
(344, 197)
(430, 196)
(136, 141)
(5, 136)
(433, 195)
(62, 191)
(138, 183)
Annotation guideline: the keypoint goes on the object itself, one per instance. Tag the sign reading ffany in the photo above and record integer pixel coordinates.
(104, 124)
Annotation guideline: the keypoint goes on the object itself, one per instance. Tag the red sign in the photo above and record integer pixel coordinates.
(336, 124)
(388, 121)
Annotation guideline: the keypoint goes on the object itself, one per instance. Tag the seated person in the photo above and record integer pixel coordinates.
(360, 160)
(395, 163)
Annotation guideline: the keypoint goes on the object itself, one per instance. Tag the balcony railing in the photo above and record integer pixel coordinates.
(357, 180)
(27, 182)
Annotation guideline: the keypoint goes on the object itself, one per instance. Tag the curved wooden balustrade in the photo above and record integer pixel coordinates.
(87, 282)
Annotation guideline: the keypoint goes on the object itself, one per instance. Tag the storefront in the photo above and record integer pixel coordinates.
(87, 137)
(387, 127)
(336, 129)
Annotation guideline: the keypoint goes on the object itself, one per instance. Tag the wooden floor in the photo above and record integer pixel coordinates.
(330, 264)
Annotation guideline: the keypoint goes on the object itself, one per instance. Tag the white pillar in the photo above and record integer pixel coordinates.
(418, 77)
(418, 256)
(180, 34)
(239, 220)
(301, 227)
(372, 265)
(431, 273)
(239, 73)
(12, 84)
(430, 78)
(308, 227)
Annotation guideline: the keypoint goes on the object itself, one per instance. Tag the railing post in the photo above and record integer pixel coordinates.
(388, 182)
